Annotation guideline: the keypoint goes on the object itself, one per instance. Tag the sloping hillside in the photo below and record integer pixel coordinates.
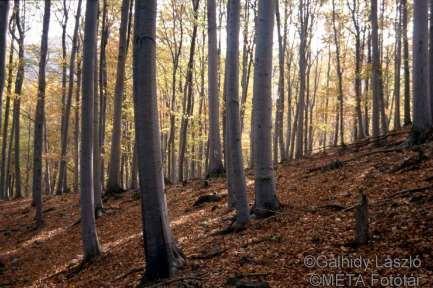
(317, 222)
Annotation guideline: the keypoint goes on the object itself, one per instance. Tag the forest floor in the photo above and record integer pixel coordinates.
(316, 222)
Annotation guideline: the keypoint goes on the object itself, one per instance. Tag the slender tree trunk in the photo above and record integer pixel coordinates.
(39, 118)
(88, 223)
(17, 100)
(215, 167)
(113, 185)
(61, 183)
(4, 11)
(3, 168)
(339, 75)
(266, 200)
(404, 20)
(279, 117)
(188, 95)
(77, 127)
(62, 173)
(97, 179)
(377, 72)
(397, 67)
(163, 257)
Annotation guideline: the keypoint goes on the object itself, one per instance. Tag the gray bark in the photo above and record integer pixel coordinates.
(113, 185)
(266, 201)
(236, 176)
(39, 118)
(397, 67)
(4, 11)
(422, 119)
(407, 100)
(61, 185)
(88, 223)
(377, 72)
(163, 258)
(215, 167)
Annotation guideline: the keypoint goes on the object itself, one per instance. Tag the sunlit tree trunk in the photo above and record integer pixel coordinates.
(17, 99)
(113, 185)
(88, 223)
(397, 67)
(215, 167)
(4, 11)
(377, 83)
(266, 201)
(404, 20)
(61, 185)
(39, 118)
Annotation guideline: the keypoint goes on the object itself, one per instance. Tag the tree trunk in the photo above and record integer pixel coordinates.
(377, 72)
(88, 225)
(422, 120)
(188, 102)
(3, 171)
(39, 118)
(4, 11)
(61, 182)
(266, 201)
(113, 185)
(163, 257)
(404, 20)
(17, 100)
(340, 124)
(397, 67)
(215, 167)
(236, 176)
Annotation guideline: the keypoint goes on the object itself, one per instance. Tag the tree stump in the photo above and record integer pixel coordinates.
(361, 216)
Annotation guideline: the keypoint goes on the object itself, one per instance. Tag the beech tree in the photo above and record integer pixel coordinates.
(215, 166)
(266, 201)
(422, 120)
(113, 185)
(88, 223)
(4, 10)
(163, 257)
(236, 174)
(40, 117)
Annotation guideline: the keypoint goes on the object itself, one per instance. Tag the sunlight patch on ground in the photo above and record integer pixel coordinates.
(41, 237)
(122, 241)
(185, 218)
(58, 270)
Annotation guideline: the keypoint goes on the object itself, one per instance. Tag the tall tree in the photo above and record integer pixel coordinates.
(404, 23)
(397, 66)
(340, 124)
(40, 117)
(188, 103)
(236, 176)
(62, 175)
(19, 22)
(355, 11)
(113, 185)
(88, 223)
(3, 163)
(215, 166)
(266, 199)
(4, 10)
(162, 255)
(61, 185)
(422, 120)
(377, 72)
(279, 117)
